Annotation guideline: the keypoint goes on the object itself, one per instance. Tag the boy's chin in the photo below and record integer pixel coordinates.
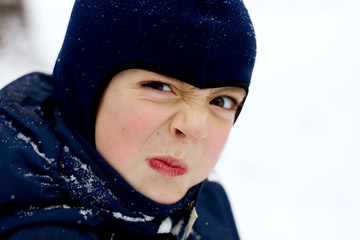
(165, 197)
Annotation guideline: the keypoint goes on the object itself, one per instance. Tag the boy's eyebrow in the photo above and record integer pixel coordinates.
(236, 90)
(188, 87)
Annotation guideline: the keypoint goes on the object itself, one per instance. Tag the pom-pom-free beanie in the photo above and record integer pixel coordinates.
(206, 43)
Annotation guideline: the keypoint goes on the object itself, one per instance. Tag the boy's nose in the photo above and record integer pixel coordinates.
(190, 123)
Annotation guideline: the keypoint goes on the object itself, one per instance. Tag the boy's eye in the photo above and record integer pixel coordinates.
(157, 86)
(224, 102)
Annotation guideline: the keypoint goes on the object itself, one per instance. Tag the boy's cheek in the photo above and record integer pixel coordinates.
(215, 145)
(135, 126)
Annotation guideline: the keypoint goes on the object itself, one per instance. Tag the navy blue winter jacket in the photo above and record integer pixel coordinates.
(54, 185)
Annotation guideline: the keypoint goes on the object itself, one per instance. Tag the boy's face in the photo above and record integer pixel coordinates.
(161, 135)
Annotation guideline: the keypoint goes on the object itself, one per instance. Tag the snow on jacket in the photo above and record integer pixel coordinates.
(54, 185)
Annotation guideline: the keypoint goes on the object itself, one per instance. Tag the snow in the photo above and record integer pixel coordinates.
(32, 210)
(35, 147)
(64, 206)
(165, 226)
(292, 161)
(85, 212)
(132, 219)
(295, 173)
(177, 228)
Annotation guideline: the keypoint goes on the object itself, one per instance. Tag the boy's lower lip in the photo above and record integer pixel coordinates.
(168, 167)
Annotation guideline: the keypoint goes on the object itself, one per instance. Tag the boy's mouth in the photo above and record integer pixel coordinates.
(168, 166)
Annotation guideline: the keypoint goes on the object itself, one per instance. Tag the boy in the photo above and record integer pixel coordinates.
(117, 143)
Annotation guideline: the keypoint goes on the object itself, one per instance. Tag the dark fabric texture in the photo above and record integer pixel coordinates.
(206, 43)
(54, 185)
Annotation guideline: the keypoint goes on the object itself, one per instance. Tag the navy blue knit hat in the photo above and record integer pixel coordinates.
(206, 43)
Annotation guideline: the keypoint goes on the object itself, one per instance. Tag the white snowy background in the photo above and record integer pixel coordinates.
(291, 167)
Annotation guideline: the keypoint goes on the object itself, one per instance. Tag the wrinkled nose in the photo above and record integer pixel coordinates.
(190, 124)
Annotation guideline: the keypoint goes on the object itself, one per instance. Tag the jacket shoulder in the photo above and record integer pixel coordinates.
(27, 97)
(215, 215)
(29, 83)
(27, 144)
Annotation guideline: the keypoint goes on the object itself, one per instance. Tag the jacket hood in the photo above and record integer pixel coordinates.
(207, 43)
